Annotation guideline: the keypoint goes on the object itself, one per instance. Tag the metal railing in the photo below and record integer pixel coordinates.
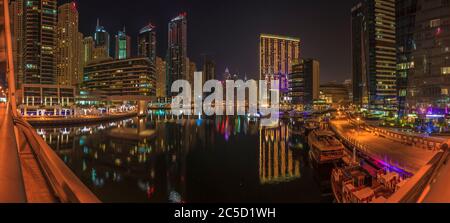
(367, 151)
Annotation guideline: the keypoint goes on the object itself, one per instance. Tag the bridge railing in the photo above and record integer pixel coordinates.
(428, 143)
(414, 189)
(367, 151)
(67, 187)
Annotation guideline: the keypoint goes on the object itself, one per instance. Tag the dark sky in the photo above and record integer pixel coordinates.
(229, 29)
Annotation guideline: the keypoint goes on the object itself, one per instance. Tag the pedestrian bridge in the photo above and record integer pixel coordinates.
(30, 171)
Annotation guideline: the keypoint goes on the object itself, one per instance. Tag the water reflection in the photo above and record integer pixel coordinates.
(162, 158)
(276, 160)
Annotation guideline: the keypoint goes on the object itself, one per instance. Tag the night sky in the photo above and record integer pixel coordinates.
(229, 29)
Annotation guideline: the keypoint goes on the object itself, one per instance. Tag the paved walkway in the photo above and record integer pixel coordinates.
(11, 182)
(407, 157)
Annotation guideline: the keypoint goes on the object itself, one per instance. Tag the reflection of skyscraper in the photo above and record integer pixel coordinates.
(177, 51)
(123, 45)
(374, 55)
(147, 42)
(102, 39)
(276, 160)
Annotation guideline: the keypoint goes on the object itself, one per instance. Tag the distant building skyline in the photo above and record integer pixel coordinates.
(317, 42)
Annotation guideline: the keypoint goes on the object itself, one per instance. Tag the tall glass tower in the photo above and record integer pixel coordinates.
(123, 46)
(147, 42)
(102, 39)
(177, 51)
(374, 56)
(40, 35)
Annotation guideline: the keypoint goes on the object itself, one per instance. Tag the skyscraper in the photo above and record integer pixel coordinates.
(277, 55)
(88, 50)
(16, 8)
(304, 82)
(177, 51)
(374, 56)
(40, 41)
(147, 42)
(209, 69)
(429, 82)
(123, 45)
(102, 39)
(69, 61)
(406, 20)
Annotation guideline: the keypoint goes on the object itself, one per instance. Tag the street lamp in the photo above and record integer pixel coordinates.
(358, 124)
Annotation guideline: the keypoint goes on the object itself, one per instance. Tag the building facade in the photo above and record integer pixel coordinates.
(277, 55)
(16, 14)
(123, 45)
(429, 83)
(133, 77)
(176, 60)
(88, 50)
(70, 46)
(335, 94)
(160, 78)
(406, 20)
(374, 56)
(304, 83)
(40, 42)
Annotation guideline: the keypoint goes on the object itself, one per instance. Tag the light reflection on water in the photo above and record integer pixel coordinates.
(159, 159)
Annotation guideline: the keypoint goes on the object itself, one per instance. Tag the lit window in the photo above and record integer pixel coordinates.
(435, 23)
(445, 70)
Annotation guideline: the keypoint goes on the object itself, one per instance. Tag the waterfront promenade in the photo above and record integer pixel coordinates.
(77, 120)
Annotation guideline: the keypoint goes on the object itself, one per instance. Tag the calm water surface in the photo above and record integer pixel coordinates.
(159, 159)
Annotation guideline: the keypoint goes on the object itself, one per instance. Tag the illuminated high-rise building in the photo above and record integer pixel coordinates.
(70, 45)
(147, 42)
(123, 45)
(102, 39)
(277, 55)
(16, 13)
(40, 41)
(429, 83)
(177, 51)
(374, 56)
